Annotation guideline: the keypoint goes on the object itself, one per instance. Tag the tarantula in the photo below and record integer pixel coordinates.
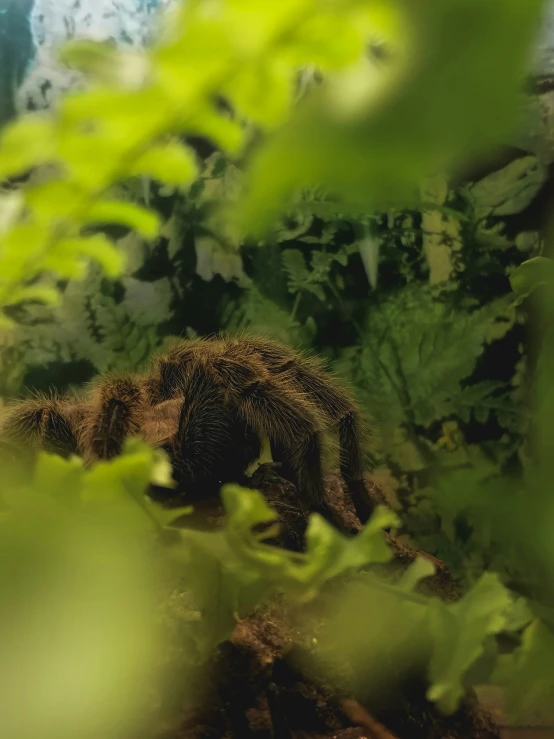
(209, 403)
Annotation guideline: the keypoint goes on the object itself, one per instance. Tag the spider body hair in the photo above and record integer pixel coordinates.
(209, 402)
(204, 435)
(45, 422)
(114, 412)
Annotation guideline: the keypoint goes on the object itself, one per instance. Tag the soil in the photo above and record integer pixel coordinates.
(256, 689)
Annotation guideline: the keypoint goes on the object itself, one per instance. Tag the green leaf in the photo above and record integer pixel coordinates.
(296, 269)
(449, 92)
(145, 221)
(417, 571)
(369, 251)
(232, 572)
(328, 553)
(93, 581)
(39, 293)
(54, 200)
(509, 190)
(526, 675)
(171, 163)
(11, 209)
(25, 144)
(530, 275)
(226, 133)
(98, 248)
(459, 632)
(414, 353)
(162, 474)
(263, 93)
(106, 63)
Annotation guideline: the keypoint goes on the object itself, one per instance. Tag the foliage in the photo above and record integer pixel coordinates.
(413, 354)
(46, 225)
(231, 572)
(93, 324)
(79, 601)
(382, 158)
(171, 88)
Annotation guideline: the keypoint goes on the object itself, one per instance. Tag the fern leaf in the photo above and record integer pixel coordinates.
(255, 313)
(423, 351)
(297, 272)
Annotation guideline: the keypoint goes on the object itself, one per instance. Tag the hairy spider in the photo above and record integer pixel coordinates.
(210, 403)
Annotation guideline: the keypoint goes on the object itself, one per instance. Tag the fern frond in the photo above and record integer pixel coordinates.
(415, 351)
(256, 313)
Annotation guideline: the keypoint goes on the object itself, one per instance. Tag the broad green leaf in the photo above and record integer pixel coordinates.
(60, 478)
(227, 134)
(25, 144)
(36, 293)
(105, 63)
(145, 221)
(332, 39)
(526, 675)
(510, 190)
(265, 93)
(24, 243)
(532, 274)
(459, 632)
(453, 94)
(235, 570)
(11, 209)
(417, 571)
(328, 552)
(79, 602)
(171, 163)
(98, 248)
(54, 200)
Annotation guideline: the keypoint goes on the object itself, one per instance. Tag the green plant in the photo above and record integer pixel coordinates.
(170, 89)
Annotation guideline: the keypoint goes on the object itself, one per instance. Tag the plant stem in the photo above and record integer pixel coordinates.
(295, 306)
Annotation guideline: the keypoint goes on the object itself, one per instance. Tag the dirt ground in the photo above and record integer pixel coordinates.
(256, 691)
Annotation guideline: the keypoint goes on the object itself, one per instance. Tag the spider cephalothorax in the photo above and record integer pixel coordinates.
(210, 403)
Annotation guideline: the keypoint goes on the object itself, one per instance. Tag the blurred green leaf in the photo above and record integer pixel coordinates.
(26, 144)
(78, 609)
(128, 214)
(452, 93)
(458, 632)
(420, 569)
(532, 274)
(526, 675)
(98, 248)
(104, 62)
(171, 163)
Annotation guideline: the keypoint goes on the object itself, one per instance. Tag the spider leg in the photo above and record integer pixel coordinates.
(170, 371)
(290, 422)
(213, 444)
(49, 423)
(308, 375)
(114, 412)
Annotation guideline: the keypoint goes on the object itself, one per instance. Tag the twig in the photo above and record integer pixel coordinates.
(358, 715)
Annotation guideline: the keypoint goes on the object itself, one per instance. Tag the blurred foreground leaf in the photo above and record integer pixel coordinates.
(453, 81)
(78, 638)
(459, 633)
(526, 675)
